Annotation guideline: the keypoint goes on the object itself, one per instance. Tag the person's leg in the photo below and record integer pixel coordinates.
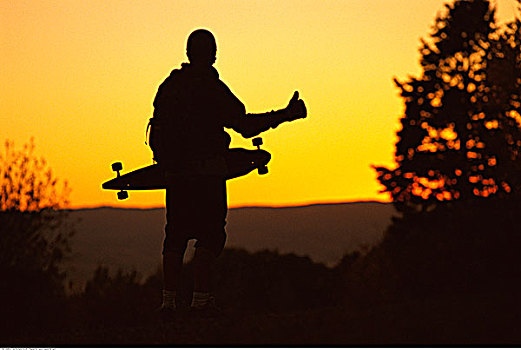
(174, 247)
(210, 242)
(204, 260)
(172, 266)
(202, 298)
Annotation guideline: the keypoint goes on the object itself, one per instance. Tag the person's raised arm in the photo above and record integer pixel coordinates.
(250, 125)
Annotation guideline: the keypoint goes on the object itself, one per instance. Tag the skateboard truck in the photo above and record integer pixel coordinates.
(263, 169)
(117, 167)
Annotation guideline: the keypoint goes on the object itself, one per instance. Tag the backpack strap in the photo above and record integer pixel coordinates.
(149, 125)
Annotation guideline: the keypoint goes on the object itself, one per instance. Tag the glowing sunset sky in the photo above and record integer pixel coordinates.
(80, 77)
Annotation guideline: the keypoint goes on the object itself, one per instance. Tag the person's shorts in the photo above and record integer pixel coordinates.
(196, 208)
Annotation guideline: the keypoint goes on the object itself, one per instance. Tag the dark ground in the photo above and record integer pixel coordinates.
(470, 319)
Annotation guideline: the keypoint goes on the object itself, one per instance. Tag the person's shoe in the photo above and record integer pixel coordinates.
(208, 309)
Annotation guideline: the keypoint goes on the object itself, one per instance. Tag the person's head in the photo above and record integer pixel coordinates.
(201, 47)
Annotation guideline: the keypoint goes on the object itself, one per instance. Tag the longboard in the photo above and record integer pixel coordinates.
(237, 162)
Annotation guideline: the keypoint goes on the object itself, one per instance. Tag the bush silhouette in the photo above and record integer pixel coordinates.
(34, 240)
(269, 281)
(259, 282)
(454, 250)
(115, 299)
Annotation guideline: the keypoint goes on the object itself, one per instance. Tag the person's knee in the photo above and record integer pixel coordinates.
(211, 247)
(174, 244)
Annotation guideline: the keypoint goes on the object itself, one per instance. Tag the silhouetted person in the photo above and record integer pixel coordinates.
(193, 107)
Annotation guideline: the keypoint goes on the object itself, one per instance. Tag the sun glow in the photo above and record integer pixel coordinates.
(80, 77)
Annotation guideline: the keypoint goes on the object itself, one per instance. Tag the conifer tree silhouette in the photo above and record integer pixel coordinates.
(460, 136)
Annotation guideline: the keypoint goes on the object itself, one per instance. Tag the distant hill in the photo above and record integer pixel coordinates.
(132, 238)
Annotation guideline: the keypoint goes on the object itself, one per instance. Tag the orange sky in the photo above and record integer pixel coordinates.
(80, 77)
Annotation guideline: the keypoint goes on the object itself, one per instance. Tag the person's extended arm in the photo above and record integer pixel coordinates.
(249, 125)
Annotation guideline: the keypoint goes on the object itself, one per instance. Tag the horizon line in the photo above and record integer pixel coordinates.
(247, 206)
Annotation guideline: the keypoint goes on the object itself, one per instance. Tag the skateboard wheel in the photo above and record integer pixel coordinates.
(263, 170)
(122, 195)
(257, 141)
(117, 166)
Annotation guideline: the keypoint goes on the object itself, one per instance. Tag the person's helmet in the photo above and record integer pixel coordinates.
(201, 47)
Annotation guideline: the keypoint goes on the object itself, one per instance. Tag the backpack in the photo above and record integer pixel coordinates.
(169, 111)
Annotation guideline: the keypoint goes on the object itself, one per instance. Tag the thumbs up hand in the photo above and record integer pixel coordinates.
(296, 108)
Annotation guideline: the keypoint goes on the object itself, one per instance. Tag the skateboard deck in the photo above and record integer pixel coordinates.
(237, 162)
